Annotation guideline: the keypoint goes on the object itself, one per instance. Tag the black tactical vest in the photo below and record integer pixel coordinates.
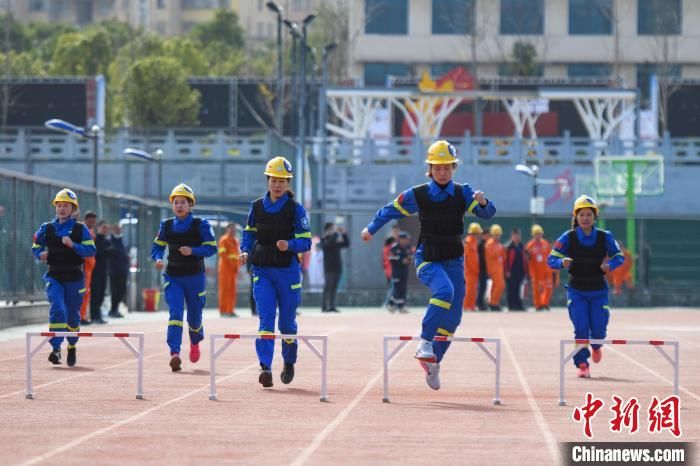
(441, 224)
(270, 229)
(179, 265)
(585, 273)
(65, 264)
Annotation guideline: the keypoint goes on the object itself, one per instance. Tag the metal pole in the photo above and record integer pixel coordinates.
(300, 165)
(631, 221)
(293, 85)
(322, 117)
(280, 71)
(95, 141)
(534, 196)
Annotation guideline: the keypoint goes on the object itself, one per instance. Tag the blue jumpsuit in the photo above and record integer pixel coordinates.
(588, 310)
(190, 289)
(275, 287)
(444, 278)
(65, 297)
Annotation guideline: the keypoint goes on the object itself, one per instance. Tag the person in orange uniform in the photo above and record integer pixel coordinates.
(471, 265)
(495, 261)
(623, 274)
(541, 276)
(229, 250)
(90, 220)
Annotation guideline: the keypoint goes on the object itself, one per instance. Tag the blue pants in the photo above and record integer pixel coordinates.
(190, 289)
(65, 299)
(446, 282)
(589, 312)
(276, 287)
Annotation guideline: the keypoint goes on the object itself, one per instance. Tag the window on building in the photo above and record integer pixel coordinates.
(260, 5)
(591, 17)
(659, 17)
(37, 5)
(587, 70)
(260, 29)
(646, 70)
(386, 17)
(376, 74)
(161, 4)
(522, 17)
(199, 4)
(453, 16)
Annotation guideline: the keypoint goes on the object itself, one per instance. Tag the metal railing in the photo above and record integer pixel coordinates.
(36, 145)
(25, 203)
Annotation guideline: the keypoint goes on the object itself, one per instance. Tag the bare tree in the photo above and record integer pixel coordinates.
(666, 23)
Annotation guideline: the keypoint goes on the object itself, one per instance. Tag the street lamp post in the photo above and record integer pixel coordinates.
(323, 117)
(157, 157)
(301, 148)
(531, 171)
(537, 203)
(280, 84)
(93, 133)
(294, 31)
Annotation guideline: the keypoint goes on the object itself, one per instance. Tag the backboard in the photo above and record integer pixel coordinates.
(612, 172)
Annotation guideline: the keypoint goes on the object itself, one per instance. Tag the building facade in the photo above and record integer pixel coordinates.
(624, 40)
(165, 17)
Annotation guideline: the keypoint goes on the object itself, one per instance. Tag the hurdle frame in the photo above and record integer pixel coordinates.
(122, 336)
(658, 344)
(231, 337)
(403, 341)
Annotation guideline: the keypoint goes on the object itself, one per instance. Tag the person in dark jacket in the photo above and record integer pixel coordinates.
(515, 270)
(334, 239)
(118, 270)
(400, 257)
(483, 274)
(99, 274)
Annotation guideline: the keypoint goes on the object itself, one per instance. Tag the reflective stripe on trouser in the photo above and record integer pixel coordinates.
(274, 288)
(65, 299)
(446, 282)
(187, 289)
(588, 311)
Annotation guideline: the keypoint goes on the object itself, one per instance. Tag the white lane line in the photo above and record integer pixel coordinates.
(128, 420)
(81, 374)
(306, 453)
(653, 372)
(537, 413)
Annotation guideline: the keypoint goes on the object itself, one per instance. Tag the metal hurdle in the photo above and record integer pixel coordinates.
(230, 338)
(29, 394)
(658, 344)
(403, 340)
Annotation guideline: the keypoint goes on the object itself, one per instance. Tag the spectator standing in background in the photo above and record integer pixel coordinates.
(334, 239)
(515, 270)
(118, 270)
(99, 274)
(90, 221)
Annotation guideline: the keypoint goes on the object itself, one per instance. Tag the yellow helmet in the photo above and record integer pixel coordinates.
(585, 202)
(442, 153)
(66, 195)
(536, 229)
(474, 229)
(183, 190)
(496, 229)
(279, 167)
